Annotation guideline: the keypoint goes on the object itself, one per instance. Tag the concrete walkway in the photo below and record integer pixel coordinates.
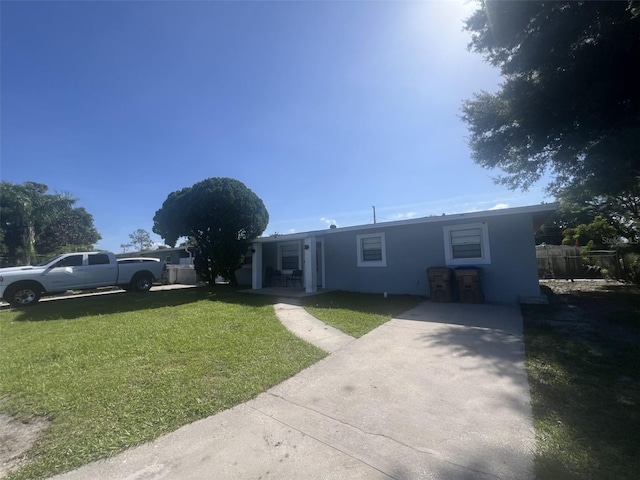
(309, 328)
(438, 393)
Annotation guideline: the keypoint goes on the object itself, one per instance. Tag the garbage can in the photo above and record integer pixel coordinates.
(469, 282)
(440, 284)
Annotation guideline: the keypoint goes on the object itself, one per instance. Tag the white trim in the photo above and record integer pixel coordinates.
(310, 280)
(371, 263)
(320, 246)
(485, 256)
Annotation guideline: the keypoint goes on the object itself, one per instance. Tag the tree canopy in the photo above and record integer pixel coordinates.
(569, 104)
(220, 216)
(36, 222)
(599, 232)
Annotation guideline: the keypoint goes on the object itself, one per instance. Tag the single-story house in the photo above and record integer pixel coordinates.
(179, 263)
(393, 257)
(171, 256)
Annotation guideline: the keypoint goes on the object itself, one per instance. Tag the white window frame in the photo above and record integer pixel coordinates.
(289, 244)
(371, 263)
(485, 257)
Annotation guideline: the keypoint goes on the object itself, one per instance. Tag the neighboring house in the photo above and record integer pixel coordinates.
(171, 256)
(179, 263)
(393, 257)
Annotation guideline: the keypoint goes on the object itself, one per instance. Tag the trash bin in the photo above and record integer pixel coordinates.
(469, 282)
(440, 284)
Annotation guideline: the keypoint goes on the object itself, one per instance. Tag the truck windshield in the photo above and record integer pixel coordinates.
(42, 264)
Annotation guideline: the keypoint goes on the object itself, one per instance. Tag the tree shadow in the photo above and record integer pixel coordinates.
(71, 308)
(585, 380)
(446, 383)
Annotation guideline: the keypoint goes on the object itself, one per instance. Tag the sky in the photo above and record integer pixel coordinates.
(323, 109)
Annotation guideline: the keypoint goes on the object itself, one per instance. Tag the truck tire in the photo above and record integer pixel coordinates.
(23, 294)
(141, 282)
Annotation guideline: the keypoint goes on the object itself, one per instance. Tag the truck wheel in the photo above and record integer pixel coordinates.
(23, 295)
(141, 282)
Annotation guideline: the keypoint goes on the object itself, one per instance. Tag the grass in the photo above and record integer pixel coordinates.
(585, 395)
(113, 371)
(357, 313)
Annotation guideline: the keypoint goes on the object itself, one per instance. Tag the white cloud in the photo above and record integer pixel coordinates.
(404, 216)
(499, 206)
(329, 221)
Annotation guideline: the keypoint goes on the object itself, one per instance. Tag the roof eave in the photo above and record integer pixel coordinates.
(541, 211)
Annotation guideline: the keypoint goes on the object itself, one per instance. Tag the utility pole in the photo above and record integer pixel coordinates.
(374, 213)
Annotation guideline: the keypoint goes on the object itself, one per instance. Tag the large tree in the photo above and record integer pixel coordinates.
(220, 216)
(569, 105)
(72, 230)
(141, 239)
(34, 221)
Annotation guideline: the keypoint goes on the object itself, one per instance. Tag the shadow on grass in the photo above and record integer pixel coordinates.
(71, 308)
(585, 396)
(585, 386)
(370, 303)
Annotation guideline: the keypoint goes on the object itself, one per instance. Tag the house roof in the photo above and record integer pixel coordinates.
(539, 212)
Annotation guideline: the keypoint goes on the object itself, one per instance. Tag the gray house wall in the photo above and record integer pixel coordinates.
(513, 271)
(411, 249)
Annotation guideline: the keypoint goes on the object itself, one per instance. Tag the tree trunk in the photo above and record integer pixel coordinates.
(29, 243)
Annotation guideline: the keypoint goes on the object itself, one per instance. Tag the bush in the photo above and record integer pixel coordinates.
(631, 267)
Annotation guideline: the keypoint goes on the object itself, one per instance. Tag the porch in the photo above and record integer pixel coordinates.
(299, 255)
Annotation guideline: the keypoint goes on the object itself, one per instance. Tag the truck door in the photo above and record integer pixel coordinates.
(100, 271)
(66, 274)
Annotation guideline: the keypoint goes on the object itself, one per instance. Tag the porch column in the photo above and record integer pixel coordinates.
(256, 266)
(310, 259)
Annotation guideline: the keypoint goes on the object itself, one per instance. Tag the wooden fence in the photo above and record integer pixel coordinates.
(562, 261)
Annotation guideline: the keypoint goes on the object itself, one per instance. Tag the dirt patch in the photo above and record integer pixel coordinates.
(16, 438)
(595, 308)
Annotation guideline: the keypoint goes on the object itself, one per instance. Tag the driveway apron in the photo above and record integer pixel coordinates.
(439, 392)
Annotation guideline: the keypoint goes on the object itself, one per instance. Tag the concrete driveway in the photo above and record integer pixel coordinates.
(438, 393)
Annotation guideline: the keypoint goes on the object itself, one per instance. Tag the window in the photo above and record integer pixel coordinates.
(99, 259)
(467, 244)
(71, 261)
(371, 250)
(289, 256)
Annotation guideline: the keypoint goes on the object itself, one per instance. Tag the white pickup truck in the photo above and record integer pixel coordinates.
(23, 286)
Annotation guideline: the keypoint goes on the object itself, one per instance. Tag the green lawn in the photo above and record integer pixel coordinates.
(585, 393)
(116, 370)
(358, 313)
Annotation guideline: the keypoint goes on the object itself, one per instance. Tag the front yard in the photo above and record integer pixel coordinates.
(90, 377)
(104, 373)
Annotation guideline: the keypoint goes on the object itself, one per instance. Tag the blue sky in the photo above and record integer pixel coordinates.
(323, 109)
